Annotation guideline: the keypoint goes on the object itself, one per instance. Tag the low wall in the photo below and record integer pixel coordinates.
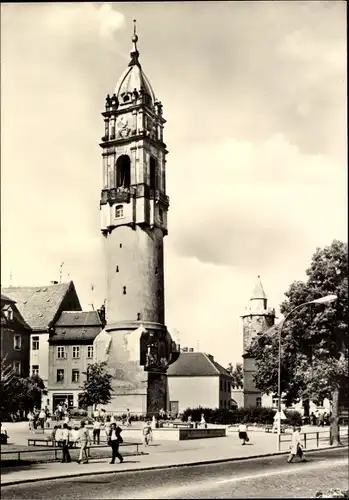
(201, 433)
(173, 434)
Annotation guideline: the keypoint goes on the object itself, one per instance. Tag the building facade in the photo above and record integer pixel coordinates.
(70, 353)
(15, 337)
(257, 319)
(40, 307)
(196, 379)
(133, 208)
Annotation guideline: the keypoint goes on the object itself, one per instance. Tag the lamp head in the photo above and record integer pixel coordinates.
(325, 300)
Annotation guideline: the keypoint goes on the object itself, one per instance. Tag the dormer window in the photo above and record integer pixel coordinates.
(119, 212)
(8, 313)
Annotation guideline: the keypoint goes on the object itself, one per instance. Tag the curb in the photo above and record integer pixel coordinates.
(160, 467)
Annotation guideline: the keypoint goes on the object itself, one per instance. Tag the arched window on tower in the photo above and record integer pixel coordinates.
(123, 171)
(152, 173)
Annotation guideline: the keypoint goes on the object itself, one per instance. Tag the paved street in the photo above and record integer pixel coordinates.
(255, 478)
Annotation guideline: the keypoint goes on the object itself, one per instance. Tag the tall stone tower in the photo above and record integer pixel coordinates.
(134, 209)
(257, 319)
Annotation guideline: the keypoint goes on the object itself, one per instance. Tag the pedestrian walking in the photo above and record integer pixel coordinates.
(243, 433)
(147, 433)
(114, 440)
(96, 431)
(85, 441)
(296, 447)
(65, 444)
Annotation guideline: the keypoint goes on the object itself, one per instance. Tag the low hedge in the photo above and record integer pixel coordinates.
(333, 493)
(256, 415)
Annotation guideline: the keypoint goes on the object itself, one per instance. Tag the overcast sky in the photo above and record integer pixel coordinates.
(254, 94)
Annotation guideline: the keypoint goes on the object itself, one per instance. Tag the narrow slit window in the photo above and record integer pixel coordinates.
(124, 290)
(120, 245)
(117, 269)
(156, 270)
(138, 316)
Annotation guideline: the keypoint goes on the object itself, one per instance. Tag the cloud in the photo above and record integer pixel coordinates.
(254, 94)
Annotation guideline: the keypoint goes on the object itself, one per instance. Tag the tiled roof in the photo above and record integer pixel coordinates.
(39, 304)
(4, 298)
(195, 364)
(78, 318)
(76, 334)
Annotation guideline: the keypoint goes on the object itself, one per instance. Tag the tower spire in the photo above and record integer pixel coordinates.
(134, 54)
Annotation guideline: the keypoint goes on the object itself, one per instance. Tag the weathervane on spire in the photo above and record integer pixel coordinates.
(135, 37)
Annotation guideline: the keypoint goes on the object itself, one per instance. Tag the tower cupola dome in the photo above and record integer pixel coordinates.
(133, 82)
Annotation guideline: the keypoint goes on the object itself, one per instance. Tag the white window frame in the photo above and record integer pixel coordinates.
(275, 402)
(75, 370)
(62, 380)
(258, 402)
(35, 341)
(17, 367)
(16, 337)
(76, 352)
(90, 352)
(9, 313)
(35, 371)
(119, 212)
(61, 352)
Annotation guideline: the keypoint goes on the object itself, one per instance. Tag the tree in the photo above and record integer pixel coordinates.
(97, 387)
(18, 393)
(314, 354)
(237, 375)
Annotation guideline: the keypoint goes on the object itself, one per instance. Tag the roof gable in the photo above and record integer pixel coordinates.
(40, 305)
(195, 364)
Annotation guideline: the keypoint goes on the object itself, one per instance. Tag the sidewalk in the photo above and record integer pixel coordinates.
(161, 455)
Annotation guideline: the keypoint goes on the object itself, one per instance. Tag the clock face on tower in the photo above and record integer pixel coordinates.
(122, 128)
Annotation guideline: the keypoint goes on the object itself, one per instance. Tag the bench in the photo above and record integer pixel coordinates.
(59, 448)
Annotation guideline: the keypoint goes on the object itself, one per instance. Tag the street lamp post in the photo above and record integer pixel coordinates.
(322, 300)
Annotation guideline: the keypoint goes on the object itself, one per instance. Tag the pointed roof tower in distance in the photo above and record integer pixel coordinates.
(258, 300)
(258, 291)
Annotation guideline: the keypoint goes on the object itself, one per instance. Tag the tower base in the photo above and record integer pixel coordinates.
(134, 388)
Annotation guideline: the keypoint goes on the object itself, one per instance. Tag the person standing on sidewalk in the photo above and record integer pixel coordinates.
(65, 444)
(30, 417)
(114, 440)
(42, 418)
(85, 441)
(147, 432)
(96, 431)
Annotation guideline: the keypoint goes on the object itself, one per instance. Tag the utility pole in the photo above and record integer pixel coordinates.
(10, 278)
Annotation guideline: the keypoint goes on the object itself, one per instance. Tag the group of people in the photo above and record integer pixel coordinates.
(66, 437)
(38, 419)
(320, 418)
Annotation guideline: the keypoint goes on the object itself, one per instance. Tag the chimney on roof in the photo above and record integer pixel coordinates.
(53, 282)
(191, 349)
(210, 356)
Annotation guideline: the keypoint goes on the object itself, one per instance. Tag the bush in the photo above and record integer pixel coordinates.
(293, 417)
(227, 417)
(333, 493)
